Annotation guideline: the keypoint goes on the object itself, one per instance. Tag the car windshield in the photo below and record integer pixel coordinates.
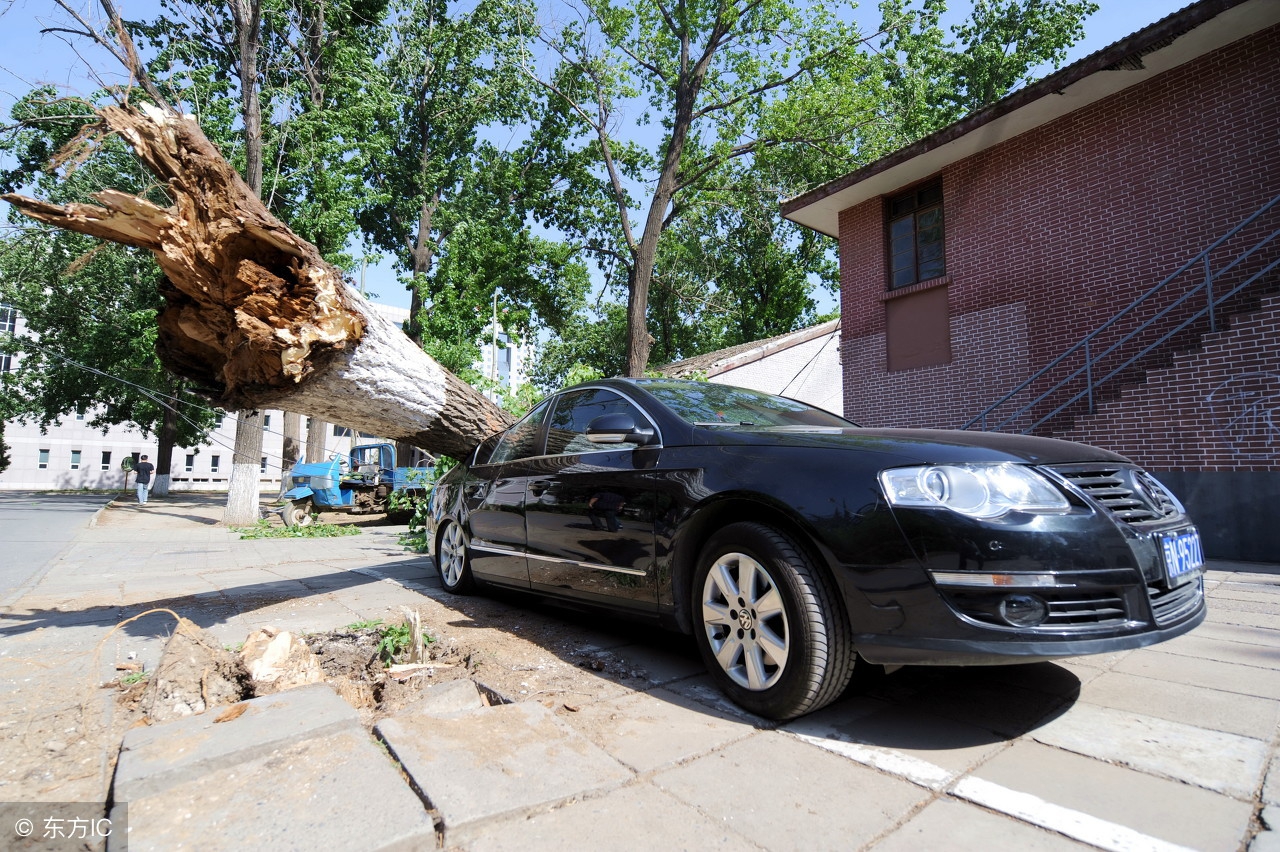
(707, 404)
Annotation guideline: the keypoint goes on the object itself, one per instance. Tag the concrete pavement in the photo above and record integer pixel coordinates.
(1167, 747)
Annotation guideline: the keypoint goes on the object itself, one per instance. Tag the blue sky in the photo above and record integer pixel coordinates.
(28, 58)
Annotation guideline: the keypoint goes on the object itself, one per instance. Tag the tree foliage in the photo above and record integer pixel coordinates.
(933, 80)
(447, 194)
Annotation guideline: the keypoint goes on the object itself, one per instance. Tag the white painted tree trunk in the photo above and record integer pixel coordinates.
(243, 487)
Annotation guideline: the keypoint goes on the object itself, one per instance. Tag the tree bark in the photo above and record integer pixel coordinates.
(244, 484)
(254, 315)
(317, 433)
(164, 453)
(289, 446)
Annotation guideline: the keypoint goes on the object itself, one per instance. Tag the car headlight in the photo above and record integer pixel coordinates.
(976, 490)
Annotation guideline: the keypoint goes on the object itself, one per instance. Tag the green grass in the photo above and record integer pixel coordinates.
(265, 529)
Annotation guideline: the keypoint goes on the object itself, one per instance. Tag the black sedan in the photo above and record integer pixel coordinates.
(792, 543)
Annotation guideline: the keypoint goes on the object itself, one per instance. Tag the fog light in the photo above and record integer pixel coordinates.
(1023, 610)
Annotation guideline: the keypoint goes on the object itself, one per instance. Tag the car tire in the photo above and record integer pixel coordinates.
(769, 624)
(453, 560)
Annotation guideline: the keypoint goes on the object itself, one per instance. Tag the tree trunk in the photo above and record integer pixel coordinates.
(317, 434)
(289, 447)
(254, 315)
(246, 470)
(164, 452)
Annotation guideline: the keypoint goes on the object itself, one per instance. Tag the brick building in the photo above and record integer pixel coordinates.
(1092, 257)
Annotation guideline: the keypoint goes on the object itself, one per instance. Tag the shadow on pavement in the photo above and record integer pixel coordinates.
(205, 608)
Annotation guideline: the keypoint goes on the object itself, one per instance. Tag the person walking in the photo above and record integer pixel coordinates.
(142, 478)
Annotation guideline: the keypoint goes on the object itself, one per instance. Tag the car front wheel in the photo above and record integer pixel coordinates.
(453, 561)
(769, 625)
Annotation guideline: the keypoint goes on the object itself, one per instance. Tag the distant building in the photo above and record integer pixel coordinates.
(507, 363)
(803, 365)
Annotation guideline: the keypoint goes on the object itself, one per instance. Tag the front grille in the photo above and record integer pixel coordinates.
(1132, 495)
(1170, 605)
(1085, 609)
(1068, 610)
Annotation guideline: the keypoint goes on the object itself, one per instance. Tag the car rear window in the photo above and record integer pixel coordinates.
(707, 404)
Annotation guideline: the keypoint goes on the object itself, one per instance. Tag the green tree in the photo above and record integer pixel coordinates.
(708, 73)
(443, 197)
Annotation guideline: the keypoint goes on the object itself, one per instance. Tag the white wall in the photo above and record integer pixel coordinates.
(809, 372)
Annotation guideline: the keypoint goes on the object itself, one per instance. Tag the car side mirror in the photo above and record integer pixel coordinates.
(619, 429)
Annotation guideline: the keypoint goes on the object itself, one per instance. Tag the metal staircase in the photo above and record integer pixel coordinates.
(1187, 301)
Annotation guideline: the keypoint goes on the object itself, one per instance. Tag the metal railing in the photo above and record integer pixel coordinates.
(1090, 370)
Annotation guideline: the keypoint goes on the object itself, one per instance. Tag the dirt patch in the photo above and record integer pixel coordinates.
(58, 740)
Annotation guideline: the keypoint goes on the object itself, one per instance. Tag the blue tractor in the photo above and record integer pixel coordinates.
(360, 482)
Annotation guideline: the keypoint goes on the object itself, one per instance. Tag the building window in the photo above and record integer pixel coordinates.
(217, 423)
(191, 462)
(80, 416)
(75, 459)
(341, 431)
(214, 463)
(44, 459)
(106, 460)
(915, 236)
(263, 466)
(266, 420)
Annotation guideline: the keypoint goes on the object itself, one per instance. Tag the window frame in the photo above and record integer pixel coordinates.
(918, 206)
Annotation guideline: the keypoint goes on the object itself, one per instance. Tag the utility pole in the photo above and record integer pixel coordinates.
(493, 359)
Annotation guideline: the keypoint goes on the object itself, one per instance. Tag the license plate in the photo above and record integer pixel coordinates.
(1182, 555)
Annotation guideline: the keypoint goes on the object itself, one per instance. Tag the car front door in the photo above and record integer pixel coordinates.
(589, 508)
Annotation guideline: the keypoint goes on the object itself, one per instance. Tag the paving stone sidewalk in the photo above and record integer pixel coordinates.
(1162, 748)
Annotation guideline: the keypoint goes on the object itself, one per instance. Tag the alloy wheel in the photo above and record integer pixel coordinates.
(745, 621)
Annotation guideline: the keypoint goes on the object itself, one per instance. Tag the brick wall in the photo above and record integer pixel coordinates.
(1211, 410)
(1051, 233)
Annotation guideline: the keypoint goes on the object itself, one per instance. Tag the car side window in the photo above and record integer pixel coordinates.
(567, 434)
(485, 451)
(521, 440)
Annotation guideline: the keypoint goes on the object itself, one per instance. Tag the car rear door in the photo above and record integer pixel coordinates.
(493, 499)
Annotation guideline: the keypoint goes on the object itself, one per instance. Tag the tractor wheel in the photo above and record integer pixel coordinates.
(298, 513)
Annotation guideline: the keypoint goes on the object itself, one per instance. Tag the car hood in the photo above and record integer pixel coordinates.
(915, 446)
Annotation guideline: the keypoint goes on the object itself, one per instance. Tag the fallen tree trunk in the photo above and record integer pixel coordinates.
(253, 314)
